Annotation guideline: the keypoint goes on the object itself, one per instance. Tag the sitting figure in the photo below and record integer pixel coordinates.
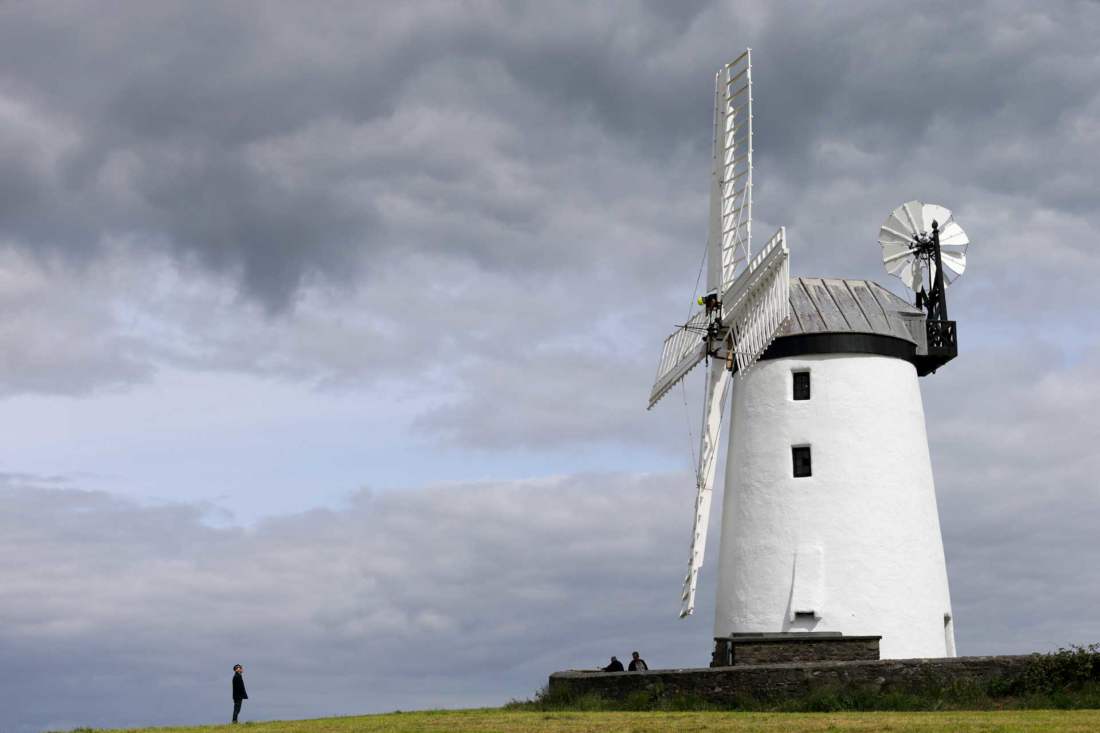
(615, 666)
(637, 664)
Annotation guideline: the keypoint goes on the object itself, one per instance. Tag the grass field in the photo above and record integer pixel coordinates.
(504, 721)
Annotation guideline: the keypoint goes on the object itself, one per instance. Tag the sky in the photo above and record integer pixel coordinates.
(327, 330)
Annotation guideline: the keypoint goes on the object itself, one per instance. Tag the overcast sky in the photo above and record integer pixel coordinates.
(326, 331)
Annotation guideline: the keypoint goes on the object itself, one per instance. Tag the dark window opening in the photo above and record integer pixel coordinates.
(804, 616)
(800, 455)
(801, 385)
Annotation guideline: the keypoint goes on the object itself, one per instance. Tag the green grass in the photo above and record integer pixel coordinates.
(521, 721)
(1055, 692)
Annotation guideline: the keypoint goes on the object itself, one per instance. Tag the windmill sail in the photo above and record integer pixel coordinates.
(731, 176)
(682, 350)
(728, 239)
(718, 380)
(759, 305)
(747, 301)
(754, 307)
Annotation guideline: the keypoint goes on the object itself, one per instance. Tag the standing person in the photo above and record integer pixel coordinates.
(637, 664)
(239, 694)
(615, 666)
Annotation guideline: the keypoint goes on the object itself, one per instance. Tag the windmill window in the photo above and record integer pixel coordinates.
(801, 385)
(800, 457)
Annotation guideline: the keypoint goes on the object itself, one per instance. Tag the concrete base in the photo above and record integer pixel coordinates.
(724, 685)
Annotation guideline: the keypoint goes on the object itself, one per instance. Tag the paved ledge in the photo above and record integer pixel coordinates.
(788, 680)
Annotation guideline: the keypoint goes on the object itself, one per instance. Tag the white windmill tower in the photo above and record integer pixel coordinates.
(829, 521)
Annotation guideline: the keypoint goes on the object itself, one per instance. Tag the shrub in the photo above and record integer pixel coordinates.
(1065, 669)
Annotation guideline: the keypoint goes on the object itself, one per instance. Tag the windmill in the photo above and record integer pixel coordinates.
(829, 522)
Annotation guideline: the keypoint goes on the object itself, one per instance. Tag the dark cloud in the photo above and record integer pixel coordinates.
(288, 151)
(462, 129)
(500, 207)
(179, 127)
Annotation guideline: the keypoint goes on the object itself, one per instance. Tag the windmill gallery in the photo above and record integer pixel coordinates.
(830, 553)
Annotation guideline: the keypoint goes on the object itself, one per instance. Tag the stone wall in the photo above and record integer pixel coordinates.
(783, 648)
(779, 681)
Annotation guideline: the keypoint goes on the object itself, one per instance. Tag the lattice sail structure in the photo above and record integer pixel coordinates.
(683, 349)
(731, 186)
(759, 305)
(755, 308)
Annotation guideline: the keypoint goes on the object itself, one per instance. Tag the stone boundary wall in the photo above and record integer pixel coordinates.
(742, 650)
(790, 680)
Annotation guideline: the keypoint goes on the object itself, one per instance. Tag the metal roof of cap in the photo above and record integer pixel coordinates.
(830, 305)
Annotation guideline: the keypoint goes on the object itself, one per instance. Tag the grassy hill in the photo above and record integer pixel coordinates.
(1057, 692)
(511, 721)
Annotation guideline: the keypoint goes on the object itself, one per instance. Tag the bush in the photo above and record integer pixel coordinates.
(562, 698)
(1063, 670)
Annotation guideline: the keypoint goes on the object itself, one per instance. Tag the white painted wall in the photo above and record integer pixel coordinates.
(859, 541)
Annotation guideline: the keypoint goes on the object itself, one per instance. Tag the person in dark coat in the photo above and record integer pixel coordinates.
(637, 664)
(239, 694)
(615, 666)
